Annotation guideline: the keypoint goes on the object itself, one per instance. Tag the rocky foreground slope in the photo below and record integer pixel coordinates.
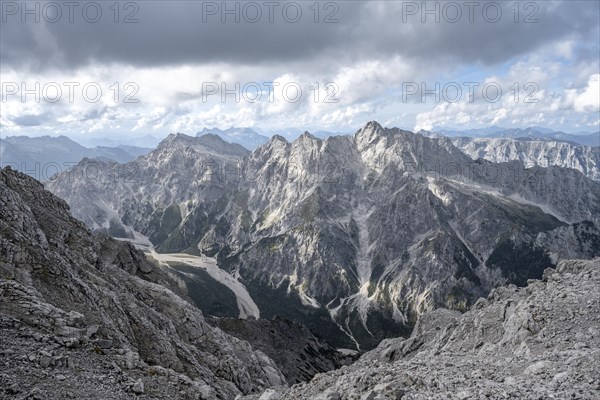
(538, 342)
(87, 317)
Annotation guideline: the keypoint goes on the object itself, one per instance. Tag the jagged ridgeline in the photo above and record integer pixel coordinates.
(356, 236)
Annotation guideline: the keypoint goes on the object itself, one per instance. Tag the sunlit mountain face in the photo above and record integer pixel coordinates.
(272, 200)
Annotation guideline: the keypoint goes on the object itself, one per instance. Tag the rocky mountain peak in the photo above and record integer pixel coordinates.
(278, 138)
(247, 137)
(308, 135)
(373, 125)
(207, 143)
(174, 138)
(214, 142)
(275, 142)
(368, 132)
(308, 142)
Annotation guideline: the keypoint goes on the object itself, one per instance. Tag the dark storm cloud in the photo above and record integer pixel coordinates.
(172, 33)
(482, 40)
(168, 33)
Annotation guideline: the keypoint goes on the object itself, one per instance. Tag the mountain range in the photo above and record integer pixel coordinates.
(145, 141)
(92, 317)
(534, 152)
(355, 236)
(534, 145)
(251, 139)
(43, 156)
(582, 138)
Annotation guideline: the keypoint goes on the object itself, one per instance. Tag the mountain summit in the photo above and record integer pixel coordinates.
(246, 137)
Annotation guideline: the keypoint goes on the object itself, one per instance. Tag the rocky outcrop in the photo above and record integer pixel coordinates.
(85, 316)
(542, 341)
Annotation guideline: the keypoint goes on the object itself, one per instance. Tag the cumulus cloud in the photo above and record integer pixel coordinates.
(574, 106)
(588, 99)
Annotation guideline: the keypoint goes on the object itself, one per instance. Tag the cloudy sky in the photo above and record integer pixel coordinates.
(153, 67)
